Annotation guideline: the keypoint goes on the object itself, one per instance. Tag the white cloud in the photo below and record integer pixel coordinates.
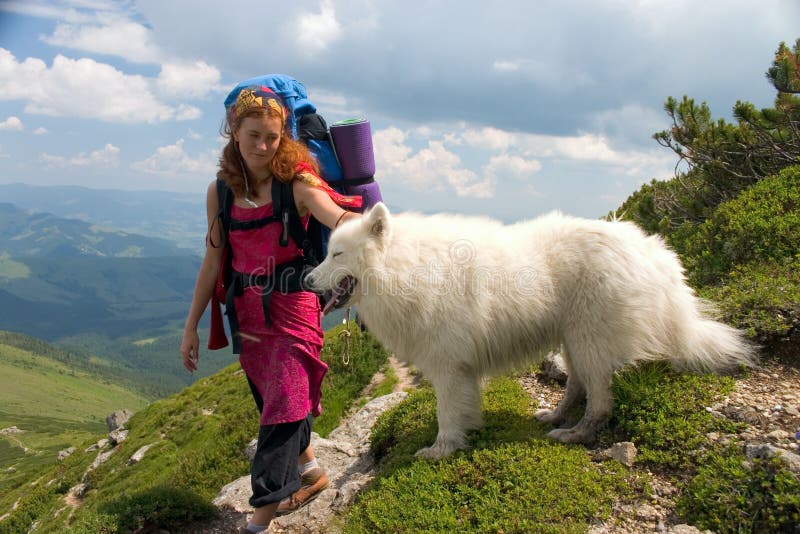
(11, 124)
(512, 165)
(428, 169)
(119, 37)
(316, 31)
(84, 88)
(41, 130)
(103, 158)
(188, 80)
(173, 161)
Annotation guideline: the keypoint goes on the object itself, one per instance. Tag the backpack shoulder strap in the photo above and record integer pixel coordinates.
(224, 204)
(283, 206)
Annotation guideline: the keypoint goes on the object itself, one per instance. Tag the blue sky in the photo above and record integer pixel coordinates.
(508, 108)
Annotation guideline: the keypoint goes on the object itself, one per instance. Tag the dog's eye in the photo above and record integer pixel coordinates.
(336, 254)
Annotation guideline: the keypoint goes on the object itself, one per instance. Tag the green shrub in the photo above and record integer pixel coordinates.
(158, 507)
(732, 495)
(762, 224)
(762, 298)
(663, 413)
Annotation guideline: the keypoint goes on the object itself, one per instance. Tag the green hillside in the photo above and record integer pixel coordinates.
(53, 406)
(197, 438)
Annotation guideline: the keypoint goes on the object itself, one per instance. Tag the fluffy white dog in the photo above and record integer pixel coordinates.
(462, 298)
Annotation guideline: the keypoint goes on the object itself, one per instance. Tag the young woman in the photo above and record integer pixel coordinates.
(280, 341)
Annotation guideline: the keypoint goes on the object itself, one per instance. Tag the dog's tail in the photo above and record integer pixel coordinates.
(706, 344)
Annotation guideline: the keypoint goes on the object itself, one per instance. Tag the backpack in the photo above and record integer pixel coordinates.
(309, 127)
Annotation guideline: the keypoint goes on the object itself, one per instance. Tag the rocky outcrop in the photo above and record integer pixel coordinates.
(118, 419)
(345, 456)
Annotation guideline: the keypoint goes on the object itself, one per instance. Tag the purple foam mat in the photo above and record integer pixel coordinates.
(353, 142)
(370, 193)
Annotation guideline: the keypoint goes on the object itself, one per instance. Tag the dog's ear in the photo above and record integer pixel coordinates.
(377, 221)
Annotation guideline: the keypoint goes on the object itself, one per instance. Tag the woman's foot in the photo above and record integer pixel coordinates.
(312, 483)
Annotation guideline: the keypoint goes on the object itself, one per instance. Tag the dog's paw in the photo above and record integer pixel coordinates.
(570, 435)
(438, 450)
(548, 416)
(430, 453)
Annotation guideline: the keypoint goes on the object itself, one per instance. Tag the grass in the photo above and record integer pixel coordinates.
(55, 407)
(512, 480)
(197, 439)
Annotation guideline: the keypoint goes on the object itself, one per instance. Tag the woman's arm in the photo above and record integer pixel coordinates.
(322, 207)
(206, 281)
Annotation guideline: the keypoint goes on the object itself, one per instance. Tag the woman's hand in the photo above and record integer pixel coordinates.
(190, 350)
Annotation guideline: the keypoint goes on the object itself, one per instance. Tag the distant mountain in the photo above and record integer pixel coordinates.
(178, 217)
(23, 233)
(51, 298)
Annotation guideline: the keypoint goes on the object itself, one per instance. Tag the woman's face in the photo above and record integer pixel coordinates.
(258, 139)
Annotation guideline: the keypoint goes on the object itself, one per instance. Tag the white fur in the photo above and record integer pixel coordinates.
(462, 298)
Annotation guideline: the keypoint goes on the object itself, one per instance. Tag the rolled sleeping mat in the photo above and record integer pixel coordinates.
(352, 139)
(369, 190)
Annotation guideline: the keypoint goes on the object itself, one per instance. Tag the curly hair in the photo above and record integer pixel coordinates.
(283, 165)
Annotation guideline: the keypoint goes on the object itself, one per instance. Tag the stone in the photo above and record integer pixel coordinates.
(623, 452)
(118, 419)
(117, 436)
(63, 455)
(346, 458)
(250, 450)
(688, 529)
(763, 450)
(235, 495)
(100, 459)
(777, 435)
(554, 368)
(139, 454)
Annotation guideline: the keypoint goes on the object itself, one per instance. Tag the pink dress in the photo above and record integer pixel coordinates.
(280, 359)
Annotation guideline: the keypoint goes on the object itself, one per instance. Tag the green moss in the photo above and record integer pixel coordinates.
(730, 494)
(513, 480)
(663, 413)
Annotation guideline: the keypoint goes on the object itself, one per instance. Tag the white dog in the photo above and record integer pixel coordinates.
(462, 298)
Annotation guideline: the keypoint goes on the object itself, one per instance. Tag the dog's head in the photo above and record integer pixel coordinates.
(354, 251)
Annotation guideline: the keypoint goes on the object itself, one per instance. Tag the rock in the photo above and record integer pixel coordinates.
(138, 455)
(10, 430)
(235, 495)
(345, 456)
(117, 436)
(99, 445)
(553, 367)
(118, 419)
(250, 450)
(777, 435)
(762, 450)
(647, 512)
(63, 455)
(623, 452)
(100, 459)
(688, 529)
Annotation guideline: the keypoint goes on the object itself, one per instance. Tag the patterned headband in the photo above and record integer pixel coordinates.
(261, 97)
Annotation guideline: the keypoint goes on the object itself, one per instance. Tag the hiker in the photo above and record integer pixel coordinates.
(277, 331)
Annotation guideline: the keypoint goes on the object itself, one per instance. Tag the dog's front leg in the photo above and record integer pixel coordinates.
(458, 410)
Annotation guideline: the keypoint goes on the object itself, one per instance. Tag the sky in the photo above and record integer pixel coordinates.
(508, 109)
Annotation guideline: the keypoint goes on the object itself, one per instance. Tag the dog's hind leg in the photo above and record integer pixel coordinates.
(458, 409)
(574, 393)
(596, 378)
